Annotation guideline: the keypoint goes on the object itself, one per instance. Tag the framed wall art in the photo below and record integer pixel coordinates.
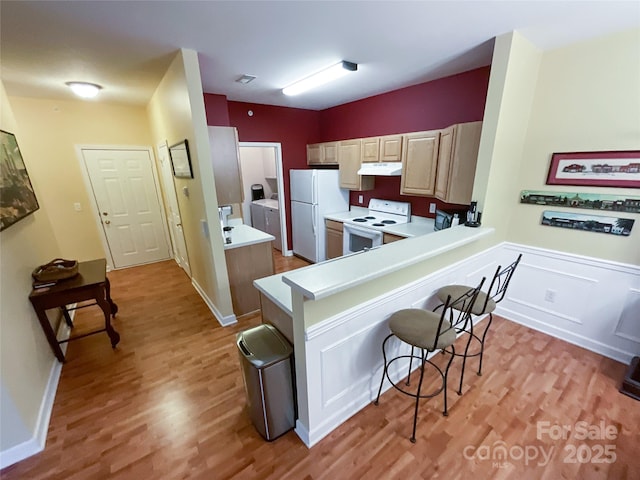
(588, 201)
(181, 159)
(17, 198)
(596, 169)
(588, 222)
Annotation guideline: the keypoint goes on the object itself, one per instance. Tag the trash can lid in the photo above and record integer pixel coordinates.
(263, 345)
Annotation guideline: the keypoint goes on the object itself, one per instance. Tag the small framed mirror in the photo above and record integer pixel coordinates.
(181, 160)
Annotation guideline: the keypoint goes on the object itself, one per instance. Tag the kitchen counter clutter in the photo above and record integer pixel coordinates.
(334, 276)
(244, 235)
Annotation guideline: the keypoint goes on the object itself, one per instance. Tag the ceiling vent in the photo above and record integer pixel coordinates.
(244, 79)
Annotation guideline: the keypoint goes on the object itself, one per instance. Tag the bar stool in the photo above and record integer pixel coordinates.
(485, 303)
(429, 332)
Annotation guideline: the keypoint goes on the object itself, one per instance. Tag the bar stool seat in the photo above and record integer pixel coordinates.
(419, 328)
(485, 303)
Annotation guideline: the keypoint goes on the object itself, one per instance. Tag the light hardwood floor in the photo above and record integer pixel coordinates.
(169, 403)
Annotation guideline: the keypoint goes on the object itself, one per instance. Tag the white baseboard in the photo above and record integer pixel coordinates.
(222, 320)
(37, 443)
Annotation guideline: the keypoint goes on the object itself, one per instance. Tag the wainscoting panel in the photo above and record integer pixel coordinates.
(584, 301)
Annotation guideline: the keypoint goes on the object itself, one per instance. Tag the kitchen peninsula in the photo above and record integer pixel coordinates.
(339, 310)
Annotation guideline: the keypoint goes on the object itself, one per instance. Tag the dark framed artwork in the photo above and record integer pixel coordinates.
(588, 201)
(17, 198)
(596, 169)
(588, 222)
(181, 159)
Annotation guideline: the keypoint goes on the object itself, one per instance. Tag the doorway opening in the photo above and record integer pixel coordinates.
(262, 171)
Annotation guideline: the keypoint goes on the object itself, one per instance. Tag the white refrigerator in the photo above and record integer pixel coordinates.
(314, 194)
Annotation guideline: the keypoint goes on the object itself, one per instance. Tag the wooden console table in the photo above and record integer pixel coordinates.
(91, 283)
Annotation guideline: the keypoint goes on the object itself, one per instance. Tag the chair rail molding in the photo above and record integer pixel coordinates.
(594, 304)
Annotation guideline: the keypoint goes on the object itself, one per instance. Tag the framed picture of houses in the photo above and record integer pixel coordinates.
(596, 169)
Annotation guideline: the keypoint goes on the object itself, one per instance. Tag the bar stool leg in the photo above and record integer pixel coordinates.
(446, 374)
(415, 414)
(464, 357)
(482, 343)
(384, 370)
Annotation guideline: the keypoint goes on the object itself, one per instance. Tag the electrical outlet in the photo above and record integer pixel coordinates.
(360, 199)
(550, 295)
(77, 207)
(432, 208)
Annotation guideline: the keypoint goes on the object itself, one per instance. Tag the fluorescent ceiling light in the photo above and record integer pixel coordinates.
(84, 89)
(324, 76)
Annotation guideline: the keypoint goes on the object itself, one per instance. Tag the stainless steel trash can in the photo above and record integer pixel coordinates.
(266, 359)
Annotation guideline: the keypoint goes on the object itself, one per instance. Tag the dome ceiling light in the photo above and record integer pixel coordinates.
(84, 89)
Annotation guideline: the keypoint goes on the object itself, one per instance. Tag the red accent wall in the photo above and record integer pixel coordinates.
(432, 105)
(428, 106)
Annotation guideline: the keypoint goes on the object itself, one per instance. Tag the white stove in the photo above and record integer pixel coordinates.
(366, 232)
(383, 213)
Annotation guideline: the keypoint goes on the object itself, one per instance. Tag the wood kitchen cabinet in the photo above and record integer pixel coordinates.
(334, 238)
(349, 156)
(325, 153)
(457, 158)
(419, 162)
(225, 158)
(244, 265)
(370, 149)
(391, 148)
(390, 237)
(382, 149)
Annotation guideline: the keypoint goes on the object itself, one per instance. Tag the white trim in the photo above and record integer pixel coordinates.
(565, 335)
(222, 320)
(282, 204)
(37, 443)
(546, 310)
(302, 433)
(90, 194)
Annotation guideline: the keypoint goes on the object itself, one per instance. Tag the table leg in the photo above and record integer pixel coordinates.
(105, 305)
(67, 317)
(49, 333)
(114, 307)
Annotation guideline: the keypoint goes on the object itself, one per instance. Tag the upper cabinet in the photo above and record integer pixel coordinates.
(382, 149)
(419, 162)
(391, 148)
(225, 158)
(457, 159)
(349, 155)
(371, 149)
(322, 153)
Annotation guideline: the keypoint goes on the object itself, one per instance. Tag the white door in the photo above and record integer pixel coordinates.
(128, 204)
(173, 210)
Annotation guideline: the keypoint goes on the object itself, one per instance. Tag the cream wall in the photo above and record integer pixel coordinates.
(587, 98)
(51, 130)
(26, 360)
(176, 112)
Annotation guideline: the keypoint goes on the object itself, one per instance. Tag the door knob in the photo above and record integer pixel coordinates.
(178, 224)
(105, 213)
(107, 222)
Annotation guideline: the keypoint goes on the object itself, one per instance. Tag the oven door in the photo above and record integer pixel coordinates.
(356, 239)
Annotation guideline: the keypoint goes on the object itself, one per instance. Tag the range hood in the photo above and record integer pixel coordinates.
(390, 169)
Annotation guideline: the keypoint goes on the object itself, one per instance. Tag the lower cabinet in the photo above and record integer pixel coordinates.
(244, 265)
(267, 219)
(272, 225)
(334, 238)
(389, 237)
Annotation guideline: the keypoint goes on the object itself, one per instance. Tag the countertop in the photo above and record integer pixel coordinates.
(333, 276)
(276, 290)
(416, 227)
(244, 235)
(267, 202)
